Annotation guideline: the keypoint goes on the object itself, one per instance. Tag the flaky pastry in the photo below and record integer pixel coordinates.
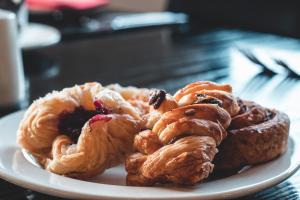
(256, 135)
(79, 131)
(183, 141)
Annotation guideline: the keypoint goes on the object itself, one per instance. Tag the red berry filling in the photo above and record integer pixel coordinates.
(71, 123)
(100, 107)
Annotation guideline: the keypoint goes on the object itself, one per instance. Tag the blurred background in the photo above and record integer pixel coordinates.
(254, 45)
(157, 43)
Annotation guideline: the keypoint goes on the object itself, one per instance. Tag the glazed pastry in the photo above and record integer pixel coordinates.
(76, 131)
(255, 135)
(183, 141)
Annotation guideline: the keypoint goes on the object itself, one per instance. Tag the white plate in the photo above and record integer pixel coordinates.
(36, 35)
(111, 185)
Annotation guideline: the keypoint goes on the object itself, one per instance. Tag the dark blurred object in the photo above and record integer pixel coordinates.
(17, 7)
(38, 64)
(280, 17)
(84, 24)
(11, 5)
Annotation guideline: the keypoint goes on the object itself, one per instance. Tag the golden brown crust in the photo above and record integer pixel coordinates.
(155, 114)
(137, 97)
(208, 92)
(38, 128)
(199, 86)
(147, 142)
(197, 119)
(113, 135)
(179, 146)
(109, 133)
(256, 135)
(185, 162)
(183, 139)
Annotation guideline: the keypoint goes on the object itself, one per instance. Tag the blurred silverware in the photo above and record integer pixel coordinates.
(290, 71)
(249, 54)
(260, 79)
(255, 84)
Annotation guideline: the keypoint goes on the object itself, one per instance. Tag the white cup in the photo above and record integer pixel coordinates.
(12, 81)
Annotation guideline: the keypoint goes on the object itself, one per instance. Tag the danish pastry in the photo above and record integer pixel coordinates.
(183, 141)
(255, 135)
(83, 130)
(79, 131)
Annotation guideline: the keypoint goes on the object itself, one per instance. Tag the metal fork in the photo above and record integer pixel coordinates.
(288, 82)
(291, 72)
(260, 79)
(256, 82)
(248, 54)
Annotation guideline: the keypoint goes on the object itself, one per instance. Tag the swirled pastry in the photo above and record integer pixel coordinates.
(183, 141)
(79, 131)
(256, 135)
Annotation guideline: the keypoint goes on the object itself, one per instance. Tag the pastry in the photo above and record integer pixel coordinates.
(159, 103)
(256, 135)
(208, 92)
(79, 131)
(179, 139)
(183, 141)
(184, 162)
(137, 97)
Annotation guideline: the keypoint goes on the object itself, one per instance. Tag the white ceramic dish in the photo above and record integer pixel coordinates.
(15, 168)
(35, 36)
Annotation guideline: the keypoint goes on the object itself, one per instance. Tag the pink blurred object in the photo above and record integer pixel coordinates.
(65, 4)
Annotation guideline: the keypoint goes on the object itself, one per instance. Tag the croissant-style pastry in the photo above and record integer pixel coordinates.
(255, 135)
(182, 143)
(56, 129)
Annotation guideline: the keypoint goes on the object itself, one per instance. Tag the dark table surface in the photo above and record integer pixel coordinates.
(166, 58)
